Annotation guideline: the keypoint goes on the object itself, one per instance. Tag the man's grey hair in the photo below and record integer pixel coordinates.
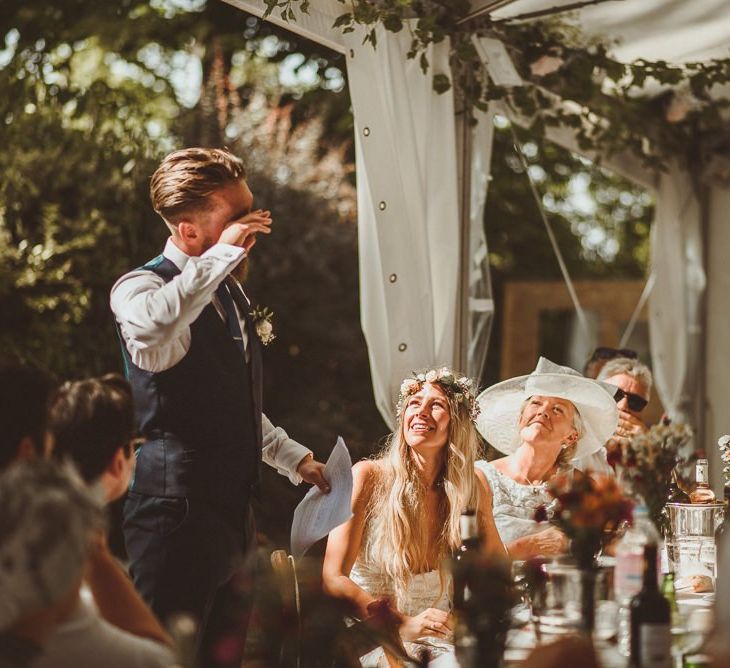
(46, 523)
(630, 367)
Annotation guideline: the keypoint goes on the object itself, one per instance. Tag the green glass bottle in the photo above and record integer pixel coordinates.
(670, 594)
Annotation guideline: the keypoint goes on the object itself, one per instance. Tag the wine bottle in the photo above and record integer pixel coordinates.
(651, 633)
(702, 493)
(676, 493)
(463, 564)
(629, 570)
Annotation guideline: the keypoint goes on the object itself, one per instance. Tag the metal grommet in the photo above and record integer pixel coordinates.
(366, 131)
(402, 347)
(382, 206)
(393, 278)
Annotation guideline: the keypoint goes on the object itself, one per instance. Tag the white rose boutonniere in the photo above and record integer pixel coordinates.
(261, 317)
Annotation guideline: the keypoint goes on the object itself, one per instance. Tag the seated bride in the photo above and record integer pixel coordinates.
(406, 506)
(542, 422)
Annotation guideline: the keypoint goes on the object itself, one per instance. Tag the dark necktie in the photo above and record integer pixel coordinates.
(224, 296)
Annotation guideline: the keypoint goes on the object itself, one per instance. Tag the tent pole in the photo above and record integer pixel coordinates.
(464, 148)
(701, 406)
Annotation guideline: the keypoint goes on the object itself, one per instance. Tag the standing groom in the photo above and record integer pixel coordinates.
(193, 358)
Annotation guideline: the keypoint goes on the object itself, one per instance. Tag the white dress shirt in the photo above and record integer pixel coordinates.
(86, 639)
(154, 319)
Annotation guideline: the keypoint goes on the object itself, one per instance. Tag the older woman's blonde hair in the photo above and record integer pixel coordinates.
(396, 536)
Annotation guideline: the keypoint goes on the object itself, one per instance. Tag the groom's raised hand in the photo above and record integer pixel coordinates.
(312, 472)
(242, 232)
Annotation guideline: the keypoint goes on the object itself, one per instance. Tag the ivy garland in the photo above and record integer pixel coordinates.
(568, 80)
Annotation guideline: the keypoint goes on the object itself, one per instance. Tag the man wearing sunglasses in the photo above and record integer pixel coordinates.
(633, 380)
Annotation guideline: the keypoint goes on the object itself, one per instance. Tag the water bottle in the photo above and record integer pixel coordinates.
(628, 575)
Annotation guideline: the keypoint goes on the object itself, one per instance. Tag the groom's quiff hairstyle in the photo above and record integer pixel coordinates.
(186, 178)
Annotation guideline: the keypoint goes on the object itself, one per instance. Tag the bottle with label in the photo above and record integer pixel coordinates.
(702, 493)
(463, 562)
(651, 633)
(629, 569)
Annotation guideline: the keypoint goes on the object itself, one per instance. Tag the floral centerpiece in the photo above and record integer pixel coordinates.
(646, 462)
(586, 509)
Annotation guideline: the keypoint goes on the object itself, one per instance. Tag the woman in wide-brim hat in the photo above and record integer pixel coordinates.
(541, 422)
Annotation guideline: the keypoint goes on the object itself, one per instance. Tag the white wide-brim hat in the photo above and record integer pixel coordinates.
(500, 406)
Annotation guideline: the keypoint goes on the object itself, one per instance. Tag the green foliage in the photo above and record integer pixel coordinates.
(622, 119)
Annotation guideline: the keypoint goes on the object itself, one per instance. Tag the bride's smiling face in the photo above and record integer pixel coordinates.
(547, 420)
(426, 418)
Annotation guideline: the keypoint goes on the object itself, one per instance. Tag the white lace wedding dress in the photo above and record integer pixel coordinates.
(425, 590)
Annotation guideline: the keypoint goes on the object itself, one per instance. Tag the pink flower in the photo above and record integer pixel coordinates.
(545, 65)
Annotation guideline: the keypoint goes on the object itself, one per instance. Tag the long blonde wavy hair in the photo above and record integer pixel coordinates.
(396, 536)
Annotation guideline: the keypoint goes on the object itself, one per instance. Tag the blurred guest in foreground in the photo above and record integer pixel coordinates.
(542, 422)
(92, 422)
(48, 519)
(25, 393)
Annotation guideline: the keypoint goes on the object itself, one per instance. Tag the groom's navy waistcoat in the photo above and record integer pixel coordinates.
(201, 417)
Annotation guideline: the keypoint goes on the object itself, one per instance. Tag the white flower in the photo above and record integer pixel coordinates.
(262, 324)
(264, 329)
(408, 386)
(431, 376)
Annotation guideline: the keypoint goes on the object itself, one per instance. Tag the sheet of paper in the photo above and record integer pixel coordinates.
(318, 513)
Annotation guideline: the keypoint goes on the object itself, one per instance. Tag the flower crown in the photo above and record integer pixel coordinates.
(460, 389)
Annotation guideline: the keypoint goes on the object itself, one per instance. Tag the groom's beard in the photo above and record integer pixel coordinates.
(240, 271)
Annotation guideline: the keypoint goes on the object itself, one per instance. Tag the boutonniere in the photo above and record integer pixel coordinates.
(261, 317)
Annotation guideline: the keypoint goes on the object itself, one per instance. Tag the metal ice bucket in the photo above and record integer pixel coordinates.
(695, 519)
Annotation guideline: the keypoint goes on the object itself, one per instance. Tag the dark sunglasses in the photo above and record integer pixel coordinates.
(636, 402)
(604, 353)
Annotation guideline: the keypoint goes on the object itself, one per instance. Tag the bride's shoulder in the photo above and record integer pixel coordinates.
(365, 467)
(365, 472)
(364, 481)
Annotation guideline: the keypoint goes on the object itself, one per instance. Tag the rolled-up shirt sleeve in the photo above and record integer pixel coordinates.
(282, 452)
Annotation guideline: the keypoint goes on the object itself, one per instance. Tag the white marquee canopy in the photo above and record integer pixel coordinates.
(422, 181)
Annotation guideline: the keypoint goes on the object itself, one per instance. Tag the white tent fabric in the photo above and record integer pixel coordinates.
(677, 31)
(674, 318)
(408, 213)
